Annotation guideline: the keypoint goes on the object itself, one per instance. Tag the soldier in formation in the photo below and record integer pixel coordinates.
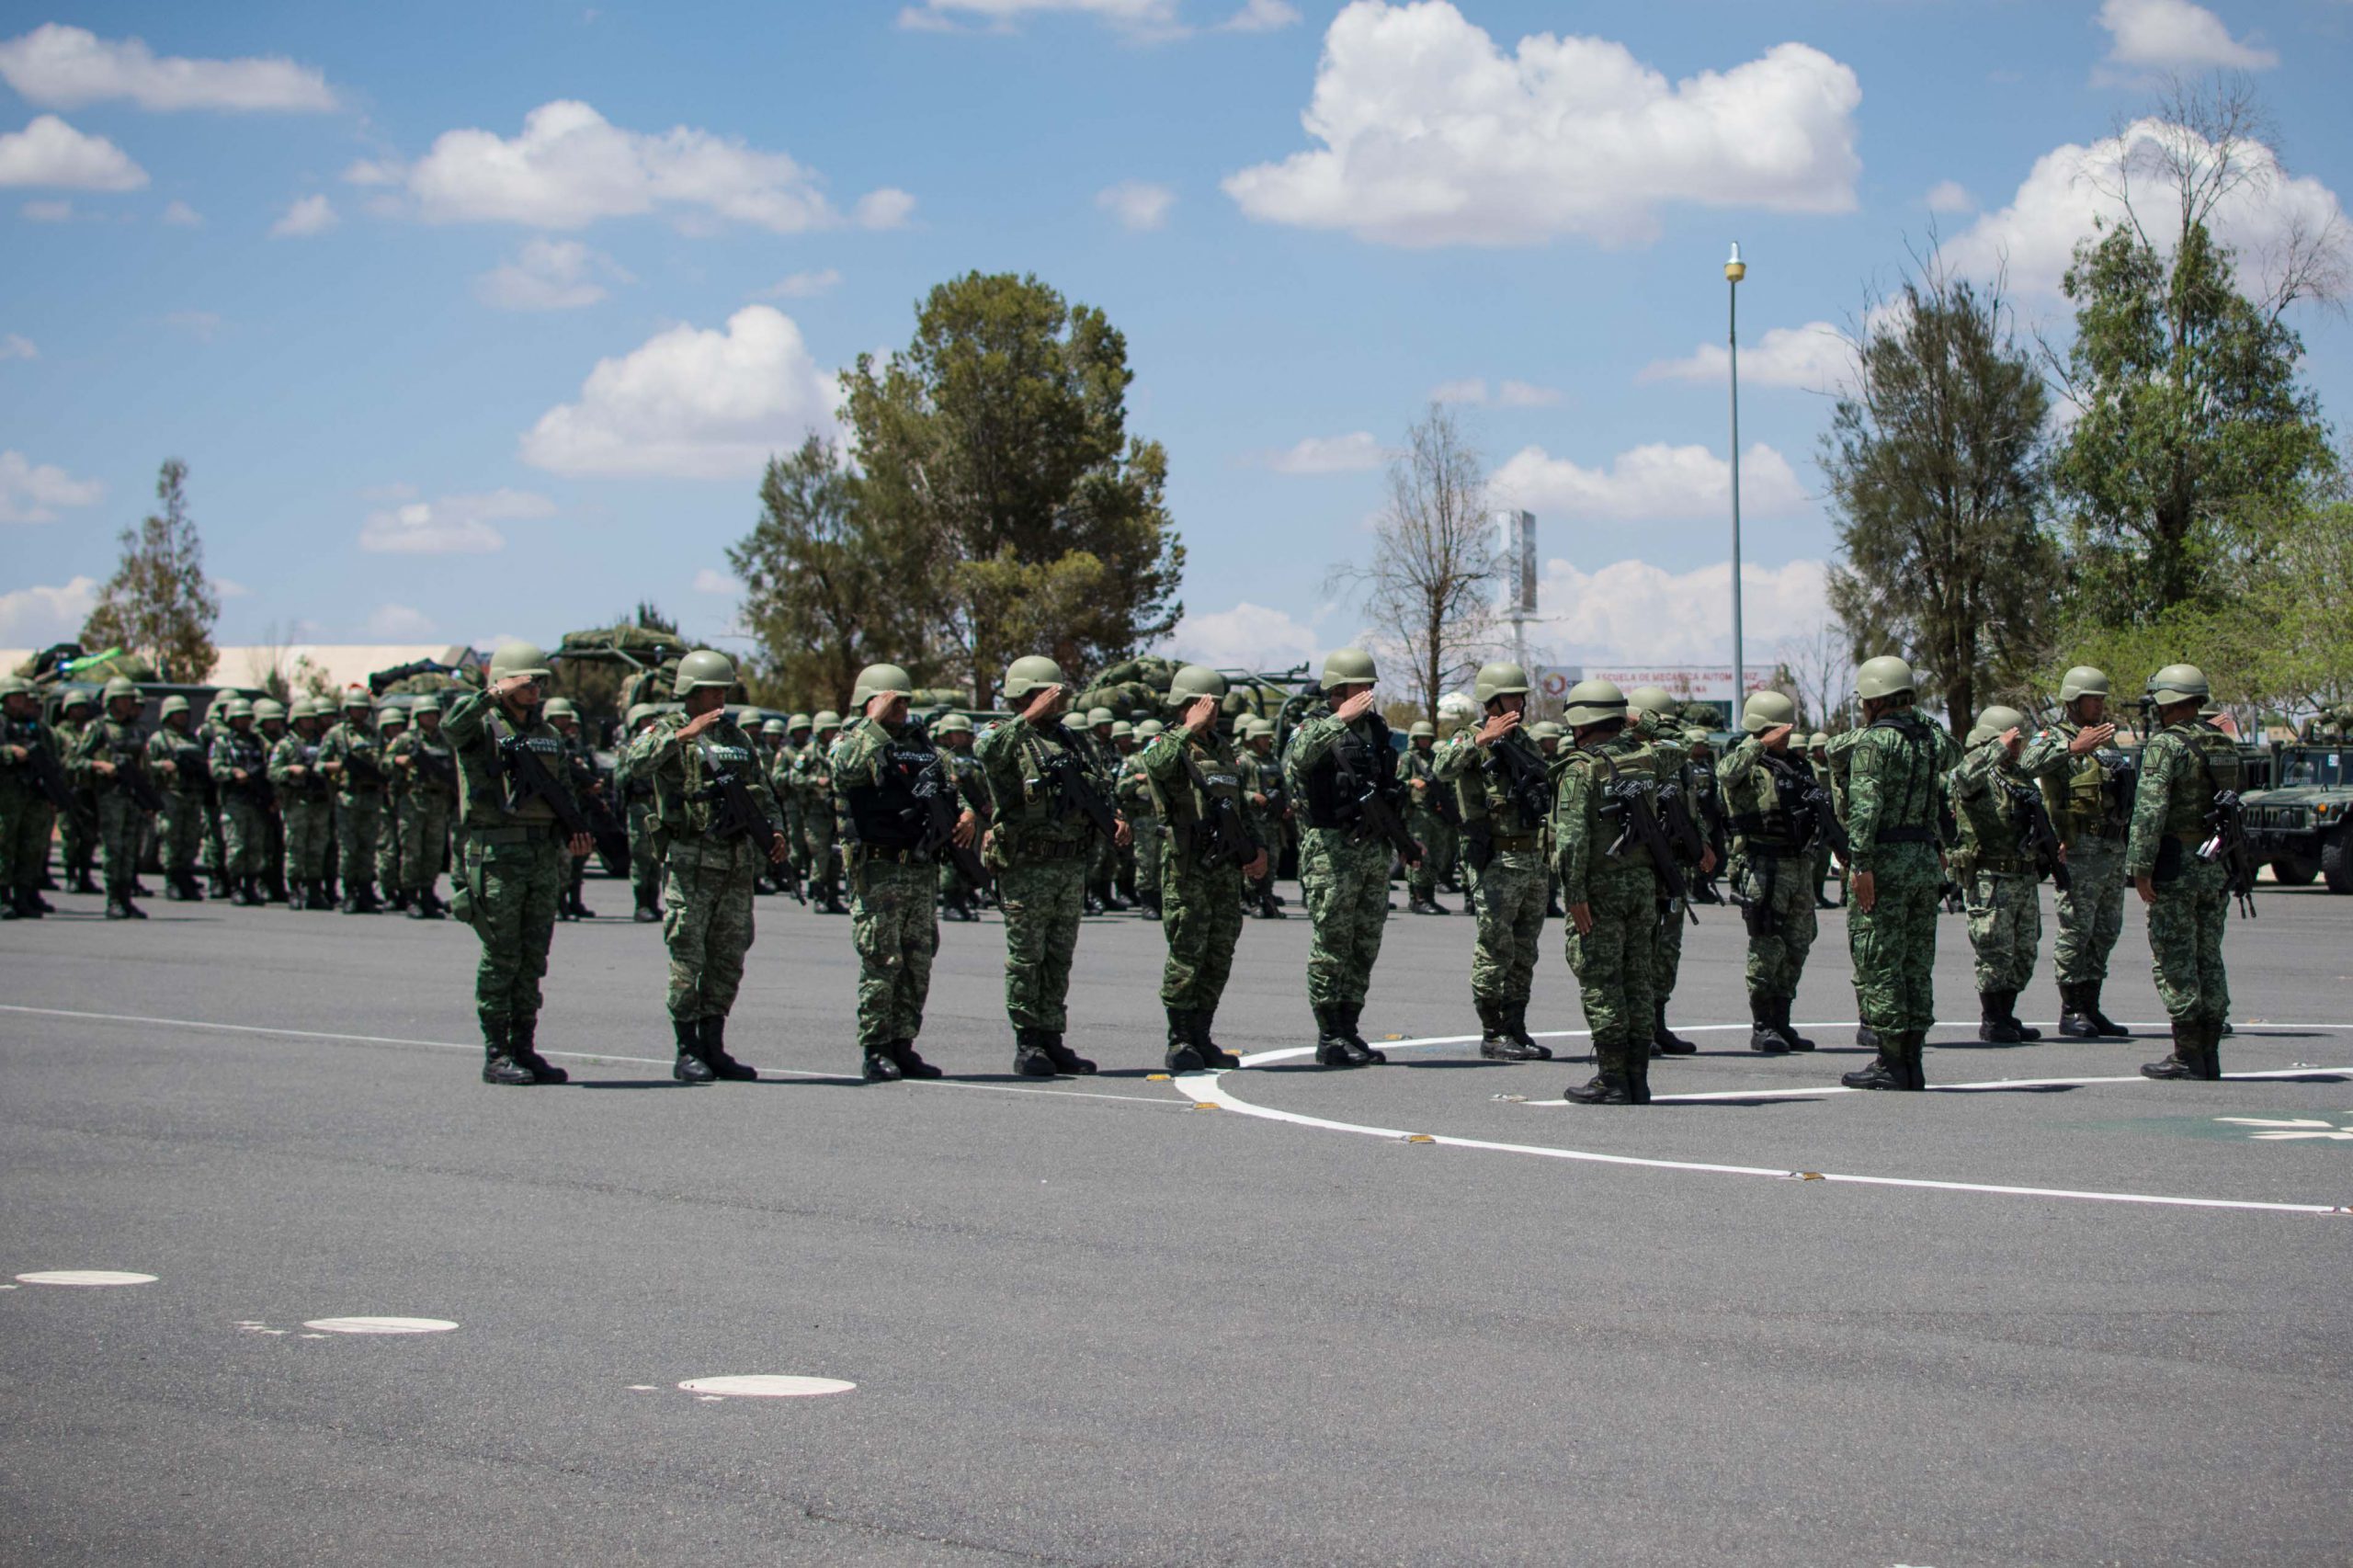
(2000, 880)
(1207, 849)
(111, 760)
(2087, 784)
(77, 829)
(959, 895)
(880, 768)
(1340, 765)
(1772, 866)
(637, 808)
(426, 770)
(1271, 818)
(1817, 750)
(269, 728)
(305, 801)
(788, 796)
(1685, 778)
(353, 762)
(1503, 791)
(2185, 766)
(813, 781)
(177, 762)
(28, 748)
(1131, 792)
(580, 761)
(1607, 783)
(1042, 846)
(1102, 891)
(1432, 803)
(240, 767)
(391, 723)
(712, 852)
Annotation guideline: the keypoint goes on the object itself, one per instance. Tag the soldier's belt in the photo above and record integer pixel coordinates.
(1049, 849)
(2003, 867)
(861, 853)
(1515, 840)
(522, 833)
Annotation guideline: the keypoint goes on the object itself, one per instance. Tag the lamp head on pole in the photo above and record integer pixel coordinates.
(1735, 269)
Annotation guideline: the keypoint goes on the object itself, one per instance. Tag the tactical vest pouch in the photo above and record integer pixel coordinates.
(2169, 858)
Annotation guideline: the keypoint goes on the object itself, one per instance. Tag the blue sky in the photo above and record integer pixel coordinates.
(474, 321)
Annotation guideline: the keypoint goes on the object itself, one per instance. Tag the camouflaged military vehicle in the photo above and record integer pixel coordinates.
(2303, 824)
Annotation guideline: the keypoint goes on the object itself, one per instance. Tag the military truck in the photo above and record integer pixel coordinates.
(2303, 824)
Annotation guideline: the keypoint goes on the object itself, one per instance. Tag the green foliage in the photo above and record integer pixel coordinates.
(159, 603)
(995, 460)
(1935, 462)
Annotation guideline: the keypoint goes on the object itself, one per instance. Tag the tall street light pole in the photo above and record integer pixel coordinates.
(1734, 270)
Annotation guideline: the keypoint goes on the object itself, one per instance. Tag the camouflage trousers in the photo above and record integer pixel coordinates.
(706, 920)
(1894, 945)
(1439, 846)
(511, 890)
(1150, 836)
(821, 865)
(1666, 960)
(1201, 914)
(645, 861)
(359, 819)
(77, 830)
(2004, 927)
(796, 830)
(26, 818)
(896, 931)
(1042, 900)
(179, 830)
(121, 825)
(306, 838)
(1781, 888)
(2186, 941)
(244, 833)
(1510, 906)
(2091, 912)
(1346, 889)
(388, 856)
(1613, 963)
(425, 836)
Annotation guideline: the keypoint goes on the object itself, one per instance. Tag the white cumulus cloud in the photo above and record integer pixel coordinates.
(31, 492)
(1632, 610)
(39, 616)
(692, 403)
(548, 275)
(1950, 196)
(570, 167)
(399, 623)
(181, 215)
(309, 215)
(2071, 187)
(1652, 483)
(2173, 35)
(802, 285)
(50, 153)
(63, 67)
(1137, 204)
(1248, 636)
(1432, 135)
(450, 525)
(17, 346)
(1814, 356)
(709, 581)
(1328, 454)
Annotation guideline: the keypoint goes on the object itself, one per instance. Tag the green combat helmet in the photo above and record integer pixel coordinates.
(2082, 681)
(1654, 700)
(1192, 683)
(876, 679)
(238, 708)
(1544, 729)
(1817, 741)
(357, 698)
(15, 685)
(1347, 667)
(701, 668)
(1502, 678)
(556, 708)
(1026, 675)
(797, 723)
(268, 710)
(1098, 717)
(828, 720)
(953, 725)
(427, 704)
(172, 705)
(1886, 675)
(1594, 702)
(1766, 710)
(2174, 683)
(1122, 731)
(1994, 721)
(119, 686)
(390, 719)
(638, 713)
(518, 659)
(773, 727)
(1150, 730)
(1424, 729)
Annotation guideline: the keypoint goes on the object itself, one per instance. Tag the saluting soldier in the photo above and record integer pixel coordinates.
(2183, 767)
(1610, 883)
(1426, 819)
(1502, 790)
(2087, 785)
(1772, 866)
(1208, 850)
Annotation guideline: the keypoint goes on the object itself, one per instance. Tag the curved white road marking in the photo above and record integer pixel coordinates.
(381, 1325)
(1211, 1087)
(85, 1277)
(765, 1385)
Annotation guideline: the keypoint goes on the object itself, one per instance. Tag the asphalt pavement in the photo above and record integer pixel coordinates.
(2051, 1313)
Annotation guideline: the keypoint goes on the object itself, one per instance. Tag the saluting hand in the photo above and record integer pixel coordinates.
(2091, 739)
(1200, 715)
(1494, 730)
(1355, 707)
(701, 724)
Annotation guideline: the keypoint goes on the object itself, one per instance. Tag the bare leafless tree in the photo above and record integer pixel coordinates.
(1428, 591)
(1820, 665)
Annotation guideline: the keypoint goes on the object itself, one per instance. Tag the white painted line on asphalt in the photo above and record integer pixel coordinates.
(85, 1277)
(381, 1325)
(765, 1385)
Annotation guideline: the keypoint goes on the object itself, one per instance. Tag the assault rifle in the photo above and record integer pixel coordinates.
(739, 810)
(361, 769)
(935, 787)
(436, 767)
(1376, 812)
(1074, 792)
(131, 775)
(1804, 797)
(1224, 836)
(315, 785)
(1625, 803)
(2121, 781)
(2226, 844)
(2036, 835)
(1526, 780)
(528, 779)
(54, 786)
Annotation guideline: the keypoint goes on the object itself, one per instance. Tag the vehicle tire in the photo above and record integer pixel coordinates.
(2336, 859)
(2294, 870)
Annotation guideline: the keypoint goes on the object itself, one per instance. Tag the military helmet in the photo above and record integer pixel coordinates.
(1884, 676)
(773, 727)
(1766, 710)
(1994, 719)
(1121, 727)
(1815, 741)
(558, 708)
(2174, 683)
(1150, 730)
(1654, 700)
(953, 725)
(302, 708)
(390, 719)
(1501, 679)
(357, 698)
(518, 659)
(1347, 667)
(637, 711)
(1098, 717)
(798, 721)
(1258, 727)
(15, 685)
(1545, 730)
(76, 698)
(828, 719)
(1029, 673)
(1594, 702)
(238, 708)
(2082, 681)
(1421, 727)
(875, 679)
(1193, 682)
(428, 703)
(701, 668)
(172, 705)
(269, 708)
(120, 687)
(2211, 710)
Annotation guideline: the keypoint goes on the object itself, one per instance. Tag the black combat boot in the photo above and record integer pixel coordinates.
(1665, 1041)
(1360, 1052)
(1867, 1036)
(2074, 1018)
(1065, 1061)
(2010, 1017)
(1638, 1077)
(1787, 1030)
(174, 891)
(1885, 1070)
(1093, 905)
(1607, 1086)
(1915, 1073)
(2187, 1058)
(1515, 1030)
(118, 908)
(1031, 1058)
(902, 1053)
(421, 907)
(1994, 1026)
(498, 1063)
(1331, 1038)
(882, 1065)
(1764, 1036)
(1270, 906)
(14, 909)
(321, 899)
(522, 1044)
(130, 909)
(254, 897)
(217, 882)
(690, 1068)
(1552, 911)
(275, 885)
(1183, 1055)
(580, 911)
(1213, 1054)
(1150, 902)
(2209, 1040)
(649, 907)
(713, 1035)
(2102, 1022)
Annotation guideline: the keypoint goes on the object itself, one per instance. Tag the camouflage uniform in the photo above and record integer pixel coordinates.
(2183, 766)
(27, 815)
(1894, 792)
(78, 827)
(1615, 962)
(245, 822)
(813, 783)
(179, 828)
(1773, 875)
(788, 793)
(1192, 783)
(1505, 848)
(390, 856)
(122, 820)
(1133, 792)
(1825, 861)
(358, 805)
(2089, 800)
(707, 872)
(1426, 819)
(877, 770)
(1692, 781)
(422, 759)
(1999, 880)
(1270, 814)
(306, 804)
(1343, 869)
(636, 797)
(959, 895)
